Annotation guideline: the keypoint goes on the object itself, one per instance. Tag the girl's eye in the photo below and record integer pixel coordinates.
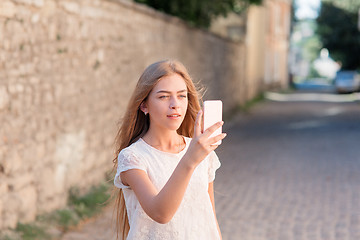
(163, 97)
(183, 96)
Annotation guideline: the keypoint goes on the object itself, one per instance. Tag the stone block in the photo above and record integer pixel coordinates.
(48, 97)
(22, 68)
(3, 150)
(45, 183)
(52, 31)
(4, 98)
(51, 181)
(10, 219)
(20, 181)
(71, 7)
(51, 203)
(3, 54)
(70, 151)
(13, 162)
(92, 12)
(34, 80)
(14, 41)
(36, 3)
(7, 9)
(91, 160)
(40, 136)
(28, 197)
(1, 212)
(40, 151)
(3, 187)
(48, 10)
(16, 88)
(10, 213)
(84, 31)
(35, 18)
(5, 43)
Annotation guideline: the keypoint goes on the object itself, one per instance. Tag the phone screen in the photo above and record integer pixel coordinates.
(213, 114)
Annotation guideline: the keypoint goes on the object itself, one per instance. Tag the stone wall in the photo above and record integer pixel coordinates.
(67, 69)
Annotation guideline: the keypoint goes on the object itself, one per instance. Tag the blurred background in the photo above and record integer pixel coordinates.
(325, 45)
(286, 71)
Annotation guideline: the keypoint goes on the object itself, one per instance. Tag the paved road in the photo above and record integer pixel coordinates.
(290, 171)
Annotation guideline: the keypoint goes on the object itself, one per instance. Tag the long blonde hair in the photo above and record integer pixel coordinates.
(135, 123)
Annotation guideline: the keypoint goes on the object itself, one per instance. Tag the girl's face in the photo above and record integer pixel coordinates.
(167, 102)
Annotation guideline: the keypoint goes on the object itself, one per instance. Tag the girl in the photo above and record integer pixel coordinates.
(165, 178)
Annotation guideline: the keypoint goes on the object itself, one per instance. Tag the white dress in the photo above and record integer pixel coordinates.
(194, 219)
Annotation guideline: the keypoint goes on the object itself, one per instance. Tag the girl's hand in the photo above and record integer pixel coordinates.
(202, 144)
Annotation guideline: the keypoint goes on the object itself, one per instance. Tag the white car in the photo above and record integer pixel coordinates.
(347, 81)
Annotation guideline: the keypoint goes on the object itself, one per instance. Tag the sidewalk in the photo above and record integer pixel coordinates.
(99, 228)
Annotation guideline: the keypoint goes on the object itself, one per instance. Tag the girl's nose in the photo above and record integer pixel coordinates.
(174, 104)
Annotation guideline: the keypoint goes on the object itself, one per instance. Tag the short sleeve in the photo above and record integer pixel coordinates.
(127, 160)
(214, 164)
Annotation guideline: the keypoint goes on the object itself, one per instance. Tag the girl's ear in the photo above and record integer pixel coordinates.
(144, 108)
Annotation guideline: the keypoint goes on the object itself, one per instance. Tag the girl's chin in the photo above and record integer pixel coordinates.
(169, 125)
(173, 127)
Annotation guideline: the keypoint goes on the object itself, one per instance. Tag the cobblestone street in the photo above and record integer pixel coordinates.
(290, 171)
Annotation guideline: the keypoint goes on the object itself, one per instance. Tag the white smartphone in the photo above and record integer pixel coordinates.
(213, 114)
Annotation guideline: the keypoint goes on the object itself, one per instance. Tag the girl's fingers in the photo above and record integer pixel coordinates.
(212, 129)
(217, 138)
(213, 147)
(197, 126)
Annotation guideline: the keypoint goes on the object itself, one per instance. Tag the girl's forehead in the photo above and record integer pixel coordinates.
(173, 82)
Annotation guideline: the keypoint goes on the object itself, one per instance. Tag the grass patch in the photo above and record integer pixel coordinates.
(249, 104)
(91, 203)
(32, 232)
(52, 225)
(66, 218)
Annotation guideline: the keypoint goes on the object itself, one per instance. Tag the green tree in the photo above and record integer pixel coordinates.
(199, 12)
(337, 28)
(348, 5)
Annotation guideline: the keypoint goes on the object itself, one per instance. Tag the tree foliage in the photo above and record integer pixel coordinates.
(347, 5)
(199, 12)
(337, 28)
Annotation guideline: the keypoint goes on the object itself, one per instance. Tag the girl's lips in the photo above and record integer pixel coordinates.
(174, 116)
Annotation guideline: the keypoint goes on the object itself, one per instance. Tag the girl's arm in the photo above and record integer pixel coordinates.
(162, 205)
(159, 205)
(211, 195)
